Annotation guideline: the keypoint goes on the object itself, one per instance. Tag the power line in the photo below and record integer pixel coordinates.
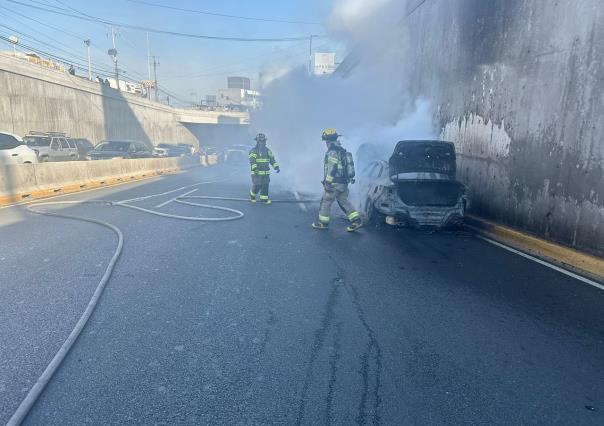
(91, 18)
(56, 57)
(223, 15)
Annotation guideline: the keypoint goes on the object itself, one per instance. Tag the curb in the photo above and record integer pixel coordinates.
(582, 263)
(21, 197)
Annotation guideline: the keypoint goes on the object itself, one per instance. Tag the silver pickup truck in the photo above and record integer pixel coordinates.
(50, 146)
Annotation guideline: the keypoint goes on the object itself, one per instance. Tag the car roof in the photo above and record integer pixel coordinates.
(19, 138)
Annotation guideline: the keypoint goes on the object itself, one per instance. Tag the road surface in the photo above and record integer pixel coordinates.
(266, 321)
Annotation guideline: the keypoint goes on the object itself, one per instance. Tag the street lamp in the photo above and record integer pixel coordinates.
(15, 41)
(113, 54)
(87, 43)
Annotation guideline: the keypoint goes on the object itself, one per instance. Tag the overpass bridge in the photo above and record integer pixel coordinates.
(35, 97)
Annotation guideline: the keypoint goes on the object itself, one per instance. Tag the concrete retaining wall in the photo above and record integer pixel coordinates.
(36, 98)
(518, 85)
(23, 181)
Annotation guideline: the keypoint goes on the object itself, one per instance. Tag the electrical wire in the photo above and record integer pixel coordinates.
(62, 60)
(98, 20)
(222, 15)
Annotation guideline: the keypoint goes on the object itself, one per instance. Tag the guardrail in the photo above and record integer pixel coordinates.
(22, 182)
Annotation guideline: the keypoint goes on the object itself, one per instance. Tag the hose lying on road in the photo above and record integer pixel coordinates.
(37, 389)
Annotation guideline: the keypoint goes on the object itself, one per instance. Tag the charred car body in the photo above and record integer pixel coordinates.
(416, 187)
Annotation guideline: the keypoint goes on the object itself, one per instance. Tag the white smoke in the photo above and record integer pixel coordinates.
(369, 105)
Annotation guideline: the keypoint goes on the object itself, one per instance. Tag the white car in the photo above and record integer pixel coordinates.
(14, 151)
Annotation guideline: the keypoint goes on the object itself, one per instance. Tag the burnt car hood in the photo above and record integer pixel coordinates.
(419, 160)
(430, 193)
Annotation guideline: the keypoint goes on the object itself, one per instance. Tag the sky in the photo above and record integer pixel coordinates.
(189, 68)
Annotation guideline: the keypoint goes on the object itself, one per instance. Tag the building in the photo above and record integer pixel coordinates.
(126, 86)
(239, 83)
(35, 59)
(238, 98)
(324, 63)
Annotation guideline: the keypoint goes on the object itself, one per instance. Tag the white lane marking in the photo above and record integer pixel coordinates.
(165, 203)
(544, 263)
(37, 200)
(171, 191)
(301, 205)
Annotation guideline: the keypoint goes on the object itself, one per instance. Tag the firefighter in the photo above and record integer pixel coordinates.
(338, 173)
(261, 160)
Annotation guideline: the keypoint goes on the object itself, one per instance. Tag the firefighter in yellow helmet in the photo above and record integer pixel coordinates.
(261, 160)
(338, 173)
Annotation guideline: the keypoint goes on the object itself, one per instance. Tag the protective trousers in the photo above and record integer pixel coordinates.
(339, 192)
(260, 186)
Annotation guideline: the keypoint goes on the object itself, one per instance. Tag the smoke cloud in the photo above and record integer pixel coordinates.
(367, 105)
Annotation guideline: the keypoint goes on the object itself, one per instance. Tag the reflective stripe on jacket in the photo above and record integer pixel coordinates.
(261, 160)
(333, 168)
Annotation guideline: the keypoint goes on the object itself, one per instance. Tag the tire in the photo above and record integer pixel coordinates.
(44, 159)
(374, 218)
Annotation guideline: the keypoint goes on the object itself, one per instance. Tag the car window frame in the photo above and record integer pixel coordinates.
(18, 143)
(57, 142)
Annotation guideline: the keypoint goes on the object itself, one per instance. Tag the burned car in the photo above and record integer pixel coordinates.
(416, 187)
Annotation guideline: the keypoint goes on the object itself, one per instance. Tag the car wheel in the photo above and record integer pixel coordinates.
(374, 217)
(44, 160)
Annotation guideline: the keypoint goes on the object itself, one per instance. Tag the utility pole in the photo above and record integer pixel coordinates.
(113, 53)
(87, 43)
(148, 57)
(155, 64)
(310, 55)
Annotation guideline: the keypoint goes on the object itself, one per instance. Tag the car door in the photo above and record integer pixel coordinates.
(68, 153)
(366, 182)
(143, 151)
(9, 154)
(55, 153)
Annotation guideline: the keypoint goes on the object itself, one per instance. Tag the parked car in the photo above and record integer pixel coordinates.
(51, 146)
(212, 154)
(416, 187)
(170, 150)
(107, 150)
(237, 154)
(188, 148)
(14, 151)
(84, 146)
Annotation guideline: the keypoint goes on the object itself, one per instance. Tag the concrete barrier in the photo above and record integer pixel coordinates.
(30, 181)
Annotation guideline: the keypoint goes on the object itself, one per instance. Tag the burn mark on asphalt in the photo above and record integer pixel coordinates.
(270, 322)
(370, 359)
(373, 347)
(333, 367)
(319, 341)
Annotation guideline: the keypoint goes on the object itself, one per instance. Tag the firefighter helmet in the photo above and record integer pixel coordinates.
(260, 137)
(330, 135)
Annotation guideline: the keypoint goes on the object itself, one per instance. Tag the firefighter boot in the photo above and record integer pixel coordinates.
(357, 224)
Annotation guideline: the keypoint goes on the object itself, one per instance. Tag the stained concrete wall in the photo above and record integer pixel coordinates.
(518, 85)
(36, 98)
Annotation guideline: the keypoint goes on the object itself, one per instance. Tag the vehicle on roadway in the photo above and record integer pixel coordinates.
(84, 146)
(115, 149)
(237, 154)
(416, 187)
(187, 147)
(212, 154)
(14, 151)
(52, 146)
(170, 150)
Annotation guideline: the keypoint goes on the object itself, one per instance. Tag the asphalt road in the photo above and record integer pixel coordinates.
(266, 321)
